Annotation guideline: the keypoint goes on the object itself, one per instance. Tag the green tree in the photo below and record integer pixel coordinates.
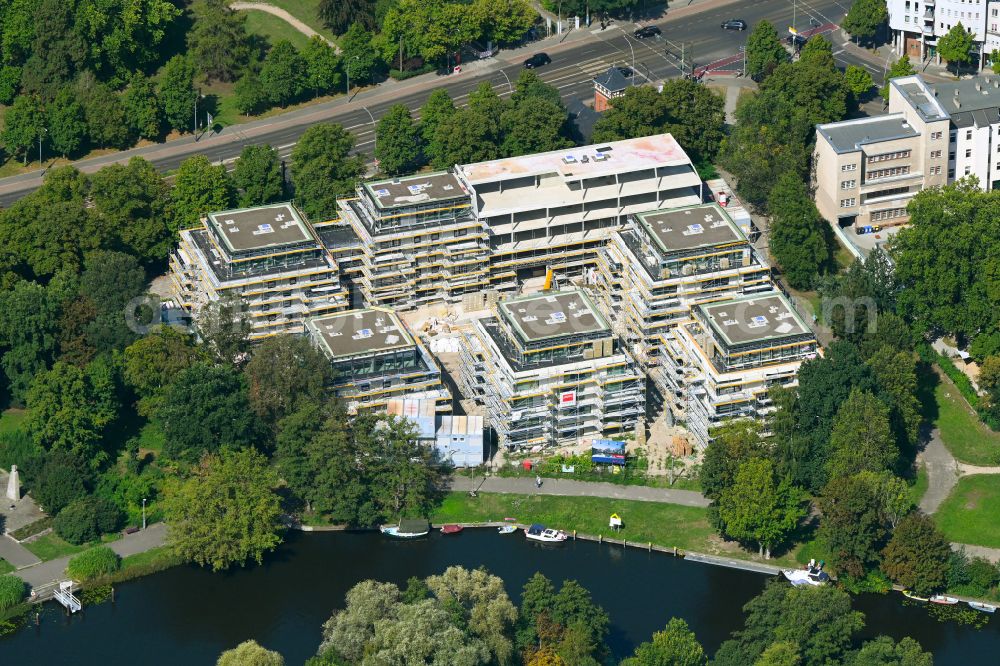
(534, 126)
(205, 409)
(360, 59)
(59, 482)
(340, 15)
(250, 653)
(283, 74)
(858, 79)
(218, 40)
(10, 82)
(322, 66)
(989, 381)
(464, 137)
(199, 188)
(506, 22)
(94, 563)
(123, 36)
(901, 67)
(398, 142)
(896, 375)
(143, 111)
(57, 50)
(177, 92)
(70, 408)
(759, 509)
(86, 519)
(153, 361)
(782, 653)
(107, 125)
(284, 372)
(884, 651)
(733, 443)
(227, 513)
(480, 601)
(224, 326)
(438, 108)
(861, 439)
(350, 631)
(67, 124)
(251, 96)
(313, 455)
(110, 280)
(917, 555)
(764, 51)
(864, 18)
(24, 124)
(956, 45)
(29, 316)
(257, 176)
(676, 645)
(798, 238)
(323, 169)
(817, 619)
(851, 525)
(131, 206)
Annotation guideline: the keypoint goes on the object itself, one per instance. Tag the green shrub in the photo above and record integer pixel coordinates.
(93, 563)
(86, 519)
(59, 482)
(17, 448)
(12, 591)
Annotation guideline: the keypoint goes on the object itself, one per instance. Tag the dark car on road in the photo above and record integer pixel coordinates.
(734, 24)
(647, 31)
(537, 60)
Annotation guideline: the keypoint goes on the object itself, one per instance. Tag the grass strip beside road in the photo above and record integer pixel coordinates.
(968, 439)
(969, 515)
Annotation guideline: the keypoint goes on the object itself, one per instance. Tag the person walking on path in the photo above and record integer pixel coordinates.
(538, 481)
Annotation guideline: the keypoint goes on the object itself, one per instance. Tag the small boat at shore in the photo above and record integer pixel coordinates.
(943, 600)
(507, 529)
(451, 529)
(909, 594)
(544, 535)
(808, 576)
(980, 606)
(407, 529)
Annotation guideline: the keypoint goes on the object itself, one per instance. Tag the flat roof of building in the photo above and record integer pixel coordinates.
(691, 227)
(850, 135)
(584, 162)
(553, 314)
(248, 229)
(417, 189)
(755, 318)
(920, 97)
(360, 332)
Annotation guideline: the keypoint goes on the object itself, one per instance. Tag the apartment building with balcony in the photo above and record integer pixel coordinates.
(376, 359)
(422, 241)
(270, 257)
(918, 24)
(556, 209)
(725, 359)
(549, 371)
(663, 263)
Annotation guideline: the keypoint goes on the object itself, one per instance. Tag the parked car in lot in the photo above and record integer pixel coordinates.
(646, 31)
(537, 60)
(734, 24)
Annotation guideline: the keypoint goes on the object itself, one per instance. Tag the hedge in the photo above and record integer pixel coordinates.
(12, 591)
(93, 563)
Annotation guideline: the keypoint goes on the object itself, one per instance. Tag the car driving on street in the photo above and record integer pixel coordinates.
(646, 31)
(734, 24)
(537, 60)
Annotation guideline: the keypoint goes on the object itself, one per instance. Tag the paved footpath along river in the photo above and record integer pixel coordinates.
(187, 615)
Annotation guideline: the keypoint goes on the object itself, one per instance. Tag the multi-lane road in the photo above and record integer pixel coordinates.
(692, 30)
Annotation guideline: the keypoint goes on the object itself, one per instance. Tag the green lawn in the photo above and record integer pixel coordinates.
(919, 485)
(305, 11)
(961, 430)
(151, 438)
(273, 28)
(11, 419)
(969, 515)
(5, 566)
(51, 546)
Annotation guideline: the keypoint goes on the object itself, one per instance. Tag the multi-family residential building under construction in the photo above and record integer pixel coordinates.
(626, 221)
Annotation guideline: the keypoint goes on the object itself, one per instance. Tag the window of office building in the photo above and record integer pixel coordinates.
(898, 155)
(968, 170)
(848, 167)
(848, 184)
(935, 135)
(888, 173)
(887, 214)
(847, 203)
(968, 152)
(935, 154)
(968, 135)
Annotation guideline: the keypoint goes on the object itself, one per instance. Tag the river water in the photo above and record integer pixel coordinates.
(187, 615)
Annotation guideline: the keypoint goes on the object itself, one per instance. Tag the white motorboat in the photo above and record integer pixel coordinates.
(943, 600)
(807, 576)
(540, 533)
(507, 529)
(980, 606)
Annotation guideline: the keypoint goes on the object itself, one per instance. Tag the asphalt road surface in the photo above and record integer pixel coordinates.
(697, 37)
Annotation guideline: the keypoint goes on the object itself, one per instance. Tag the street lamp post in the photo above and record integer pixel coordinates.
(347, 73)
(374, 127)
(629, 42)
(511, 87)
(196, 97)
(143, 513)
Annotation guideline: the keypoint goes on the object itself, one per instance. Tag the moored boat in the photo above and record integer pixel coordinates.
(808, 576)
(910, 594)
(407, 529)
(980, 606)
(544, 535)
(943, 600)
(451, 529)
(507, 529)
